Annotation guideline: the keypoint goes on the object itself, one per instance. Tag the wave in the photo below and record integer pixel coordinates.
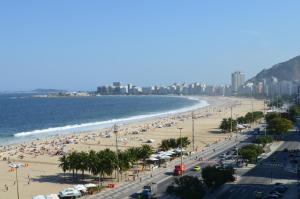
(108, 123)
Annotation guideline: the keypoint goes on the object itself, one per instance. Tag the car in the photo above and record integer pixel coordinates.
(272, 196)
(276, 193)
(280, 184)
(69, 193)
(222, 155)
(197, 168)
(280, 188)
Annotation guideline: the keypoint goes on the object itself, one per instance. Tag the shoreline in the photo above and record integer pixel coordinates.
(40, 134)
(42, 155)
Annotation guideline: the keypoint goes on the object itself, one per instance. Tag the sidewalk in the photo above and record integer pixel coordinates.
(159, 175)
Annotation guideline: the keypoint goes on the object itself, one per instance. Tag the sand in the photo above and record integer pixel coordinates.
(43, 176)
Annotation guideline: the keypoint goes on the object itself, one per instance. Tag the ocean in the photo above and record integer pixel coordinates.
(24, 117)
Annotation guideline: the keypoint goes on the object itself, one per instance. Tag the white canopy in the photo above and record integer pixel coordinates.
(90, 185)
(179, 150)
(39, 197)
(153, 159)
(239, 126)
(165, 157)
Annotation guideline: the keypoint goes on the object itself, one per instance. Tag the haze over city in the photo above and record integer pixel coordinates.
(77, 45)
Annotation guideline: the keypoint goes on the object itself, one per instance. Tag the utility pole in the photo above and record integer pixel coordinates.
(16, 166)
(231, 121)
(17, 182)
(193, 129)
(252, 111)
(265, 102)
(117, 150)
(181, 160)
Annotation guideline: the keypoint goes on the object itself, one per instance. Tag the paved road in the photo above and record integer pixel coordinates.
(263, 176)
(163, 176)
(213, 159)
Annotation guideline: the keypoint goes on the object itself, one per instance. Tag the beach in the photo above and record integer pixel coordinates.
(43, 176)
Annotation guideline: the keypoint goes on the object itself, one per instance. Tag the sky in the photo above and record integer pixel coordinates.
(79, 45)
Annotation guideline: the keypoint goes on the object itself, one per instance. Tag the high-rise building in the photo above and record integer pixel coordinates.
(237, 80)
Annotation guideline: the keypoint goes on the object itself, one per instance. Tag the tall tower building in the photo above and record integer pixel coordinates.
(237, 80)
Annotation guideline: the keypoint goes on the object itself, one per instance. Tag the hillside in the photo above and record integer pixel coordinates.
(289, 71)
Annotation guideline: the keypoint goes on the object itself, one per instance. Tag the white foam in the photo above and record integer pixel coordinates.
(107, 123)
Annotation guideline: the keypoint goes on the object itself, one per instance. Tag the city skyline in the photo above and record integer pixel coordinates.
(88, 44)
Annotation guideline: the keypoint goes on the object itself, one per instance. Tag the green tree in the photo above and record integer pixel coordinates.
(124, 162)
(84, 162)
(263, 140)
(64, 163)
(215, 177)
(185, 142)
(294, 111)
(144, 152)
(250, 152)
(280, 125)
(133, 154)
(164, 145)
(227, 124)
(73, 163)
(187, 187)
(93, 162)
(108, 160)
(271, 116)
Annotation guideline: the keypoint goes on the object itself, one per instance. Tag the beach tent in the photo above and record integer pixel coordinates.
(39, 197)
(52, 196)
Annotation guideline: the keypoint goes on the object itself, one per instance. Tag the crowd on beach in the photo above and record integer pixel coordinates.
(152, 131)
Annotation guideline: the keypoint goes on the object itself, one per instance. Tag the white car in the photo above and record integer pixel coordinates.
(81, 188)
(69, 192)
(52, 196)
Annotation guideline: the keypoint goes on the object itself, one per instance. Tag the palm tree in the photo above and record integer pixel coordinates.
(84, 162)
(123, 162)
(93, 162)
(64, 163)
(165, 145)
(145, 152)
(133, 154)
(72, 160)
(106, 162)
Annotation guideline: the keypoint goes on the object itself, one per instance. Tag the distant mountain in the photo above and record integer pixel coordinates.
(48, 91)
(288, 71)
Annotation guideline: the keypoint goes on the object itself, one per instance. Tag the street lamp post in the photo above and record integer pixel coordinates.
(16, 166)
(265, 102)
(193, 129)
(117, 150)
(181, 160)
(231, 121)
